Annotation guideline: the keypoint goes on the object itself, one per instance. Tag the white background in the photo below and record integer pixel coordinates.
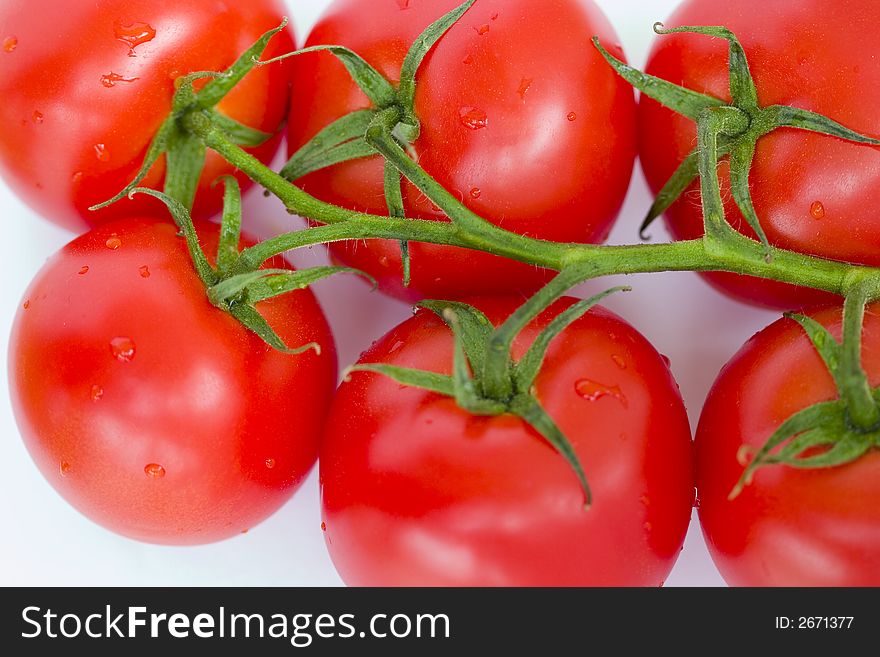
(46, 542)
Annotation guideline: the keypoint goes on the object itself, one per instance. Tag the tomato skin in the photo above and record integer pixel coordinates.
(72, 137)
(417, 492)
(789, 527)
(553, 160)
(118, 364)
(810, 191)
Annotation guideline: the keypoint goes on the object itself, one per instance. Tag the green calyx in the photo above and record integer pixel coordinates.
(730, 130)
(232, 288)
(393, 108)
(185, 153)
(833, 433)
(486, 380)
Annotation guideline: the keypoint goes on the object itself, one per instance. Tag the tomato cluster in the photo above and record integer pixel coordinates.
(156, 413)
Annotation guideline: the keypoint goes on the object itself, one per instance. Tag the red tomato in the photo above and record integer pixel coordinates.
(151, 411)
(810, 191)
(521, 119)
(789, 527)
(416, 491)
(82, 99)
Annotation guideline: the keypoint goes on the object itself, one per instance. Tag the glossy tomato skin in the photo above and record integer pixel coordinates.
(521, 119)
(810, 191)
(80, 108)
(151, 411)
(789, 527)
(417, 492)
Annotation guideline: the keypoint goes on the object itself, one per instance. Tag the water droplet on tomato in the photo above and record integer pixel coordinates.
(64, 468)
(26, 304)
(495, 16)
(37, 117)
(666, 361)
(134, 35)
(10, 43)
(644, 499)
(396, 347)
(113, 242)
(144, 271)
(572, 116)
(648, 526)
(154, 470)
(476, 193)
(593, 391)
(83, 270)
(245, 531)
(468, 60)
(111, 79)
(96, 393)
(473, 118)
(123, 349)
(384, 261)
(619, 361)
(483, 29)
(323, 526)
(77, 177)
(270, 463)
(817, 210)
(403, 4)
(524, 86)
(102, 153)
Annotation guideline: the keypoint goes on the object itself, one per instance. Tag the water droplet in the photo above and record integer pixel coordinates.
(476, 193)
(77, 177)
(270, 463)
(245, 531)
(483, 29)
(97, 393)
(403, 4)
(37, 117)
(26, 304)
(648, 526)
(468, 60)
(64, 468)
(154, 470)
(495, 16)
(10, 43)
(396, 347)
(645, 500)
(102, 153)
(697, 502)
(384, 261)
(592, 391)
(572, 116)
(123, 349)
(133, 35)
(524, 86)
(111, 79)
(145, 272)
(666, 361)
(817, 210)
(113, 242)
(619, 361)
(323, 526)
(473, 118)
(83, 270)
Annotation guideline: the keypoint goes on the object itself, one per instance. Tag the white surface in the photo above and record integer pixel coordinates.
(45, 542)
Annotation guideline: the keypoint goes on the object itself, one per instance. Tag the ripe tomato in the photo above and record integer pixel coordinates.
(810, 191)
(82, 101)
(521, 118)
(416, 491)
(151, 411)
(789, 527)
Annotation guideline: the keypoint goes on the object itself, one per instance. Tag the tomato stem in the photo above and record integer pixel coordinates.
(855, 390)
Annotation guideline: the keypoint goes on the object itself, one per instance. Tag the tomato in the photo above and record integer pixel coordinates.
(789, 527)
(415, 491)
(151, 411)
(83, 100)
(810, 191)
(521, 119)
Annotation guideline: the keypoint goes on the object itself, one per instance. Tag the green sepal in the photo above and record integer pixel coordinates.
(781, 116)
(526, 370)
(263, 284)
(431, 381)
(741, 156)
(254, 321)
(679, 99)
(238, 133)
(230, 226)
(532, 413)
(826, 345)
(184, 222)
(217, 89)
(473, 326)
(355, 149)
(313, 155)
(380, 92)
(185, 160)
